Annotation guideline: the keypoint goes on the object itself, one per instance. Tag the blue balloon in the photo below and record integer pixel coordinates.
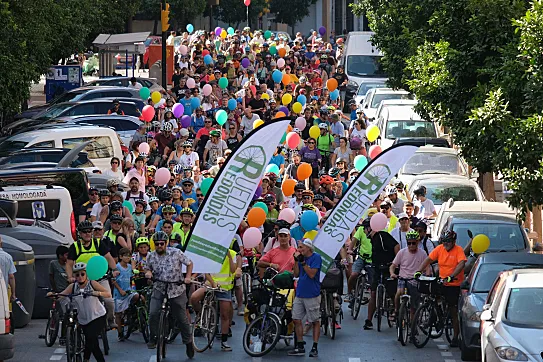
(208, 60)
(190, 28)
(334, 95)
(344, 186)
(309, 220)
(277, 76)
(194, 102)
(302, 99)
(232, 104)
(240, 100)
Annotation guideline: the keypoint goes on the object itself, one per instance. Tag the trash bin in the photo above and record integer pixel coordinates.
(25, 279)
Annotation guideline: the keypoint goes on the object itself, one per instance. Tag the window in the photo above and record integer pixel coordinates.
(18, 159)
(99, 147)
(82, 109)
(378, 98)
(52, 208)
(434, 162)
(114, 82)
(525, 306)
(125, 125)
(145, 83)
(397, 129)
(56, 157)
(130, 109)
(54, 111)
(507, 237)
(94, 95)
(488, 273)
(68, 96)
(118, 93)
(48, 144)
(440, 193)
(7, 147)
(365, 87)
(82, 161)
(364, 66)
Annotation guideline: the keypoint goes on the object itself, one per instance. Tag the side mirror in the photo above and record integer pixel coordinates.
(486, 307)
(464, 285)
(487, 316)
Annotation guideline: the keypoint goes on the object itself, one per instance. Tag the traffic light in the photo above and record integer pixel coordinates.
(165, 18)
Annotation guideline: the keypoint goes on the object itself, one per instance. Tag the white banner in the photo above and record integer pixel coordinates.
(357, 200)
(230, 195)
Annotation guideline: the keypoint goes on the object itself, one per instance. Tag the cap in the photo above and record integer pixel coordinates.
(97, 225)
(341, 159)
(308, 243)
(402, 215)
(372, 211)
(284, 231)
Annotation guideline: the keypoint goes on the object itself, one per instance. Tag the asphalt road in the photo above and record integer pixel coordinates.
(352, 344)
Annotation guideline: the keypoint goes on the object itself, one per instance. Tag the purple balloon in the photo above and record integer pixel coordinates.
(218, 31)
(245, 62)
(185, 121)
(322, 30)
(178, 110)
(284, 110)
(258, 193)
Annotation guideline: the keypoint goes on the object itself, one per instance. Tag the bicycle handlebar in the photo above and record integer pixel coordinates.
(208, 287)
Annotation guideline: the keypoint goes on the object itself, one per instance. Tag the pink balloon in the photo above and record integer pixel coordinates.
(253, 90)
(247, 2)
(162, 176)
(300, 123)
(207, 90)
(280, 63)
(378, 221)
(191, 83)
(288, 215)
(375, 150)
(148, 112)
(251, 238)
(183, 49)
(144, 148)
(293, 140)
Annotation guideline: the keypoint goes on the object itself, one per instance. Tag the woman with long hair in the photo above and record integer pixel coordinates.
(127, 234)
(343, 151)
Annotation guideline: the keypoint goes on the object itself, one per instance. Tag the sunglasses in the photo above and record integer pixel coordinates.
(306, 197)
(159, 244)
(447, 242)
(168, 213)
(115, 163)
(207, 121)
(172, 180)
(93, 194)
(187, 185)
(298, 190)
(199, 195)
(385, 208)
(88, 231)
(116, 222)
(232, 128)
(77, 275)
(311, 143)
(411, 243)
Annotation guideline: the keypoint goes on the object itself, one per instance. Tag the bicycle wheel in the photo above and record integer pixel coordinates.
(163, 328)
(105, 341)
(204, 330)
(422, 327)
(324, 315)
(358, 295)
(380, 303)
(143, 325)
(403, 323)
(262, 334)
(246, 286)
(389, 309)
(70, 344)
(79, 344)
(331, 320)
(437, 321)
(131, 324)
(51, 329)
(449, 330)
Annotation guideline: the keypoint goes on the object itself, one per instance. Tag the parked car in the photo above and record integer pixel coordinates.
(78, 94)
(433, 160)
(47, 154)
(423, 141)
(365, 86)
(474, 292)
(150, 83)
(512, 320)
(410, 103)
(493, 219)
(282, 35)
(130, 107)
(7, 345)
(376, 95)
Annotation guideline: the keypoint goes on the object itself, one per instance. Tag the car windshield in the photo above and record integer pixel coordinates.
(68, 96)
(54, 111)
(397, 129)
(7, 147)
(365, 87)
(365, 66)
(487, 273)
(434, 162)
(525, 306)
(378, 98)
(440, 193)
(503, 236)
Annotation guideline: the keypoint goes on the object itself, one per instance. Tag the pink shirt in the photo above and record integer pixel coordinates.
(134, 173)
(281, 257)
(408, 262)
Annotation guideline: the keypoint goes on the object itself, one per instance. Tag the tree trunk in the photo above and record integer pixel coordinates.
(486, 182)
(155, 27)
(128, 25)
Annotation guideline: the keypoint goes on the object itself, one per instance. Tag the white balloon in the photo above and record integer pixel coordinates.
(280, 63)
(207, 90)
(191, 83)
(183, 49)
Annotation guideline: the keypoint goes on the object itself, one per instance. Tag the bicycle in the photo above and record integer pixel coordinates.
(403, 323)
(247, 270)
(431, 314)
(384, 302)
(361, 292)
(54, 323)
(331, 284)
(136, 317)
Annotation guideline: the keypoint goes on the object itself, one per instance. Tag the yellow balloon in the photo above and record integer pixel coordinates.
(257, 123)
(372, 133)
(223, 34)
(314, 132)
(155, 97)
(287, 98)
(480, 243)
(265, 96)
(310, 234)
(297, 107)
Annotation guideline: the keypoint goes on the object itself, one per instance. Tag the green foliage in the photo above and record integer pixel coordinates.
(234, 12)
(290, 11)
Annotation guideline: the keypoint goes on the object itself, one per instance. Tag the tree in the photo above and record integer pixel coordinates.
(290, 11)
(234, 12)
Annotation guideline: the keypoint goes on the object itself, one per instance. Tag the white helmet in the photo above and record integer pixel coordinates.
(79, 266)
(183, 132)
(323, 126)
(167, 127)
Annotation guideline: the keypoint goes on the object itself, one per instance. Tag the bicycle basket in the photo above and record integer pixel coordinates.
(284, 280)
(260, 296)
(333, 279)
(430, 286)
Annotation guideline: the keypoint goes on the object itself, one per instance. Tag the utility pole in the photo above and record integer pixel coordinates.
(165, 23)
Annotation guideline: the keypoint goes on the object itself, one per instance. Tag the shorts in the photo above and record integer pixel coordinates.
(390, 285)
(307, 307)
(411, 290)
(315, 172)
(224, 296)
(451, 295)
(360, 264)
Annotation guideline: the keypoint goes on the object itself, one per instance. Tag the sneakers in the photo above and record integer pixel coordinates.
(225, 347)
(190, 350)
(241, 310)
(112, 324)
(337, 326)
(120, 337)
(368, 325)
(314, 352)
(151, 345)
(454, 343)
(297, 352)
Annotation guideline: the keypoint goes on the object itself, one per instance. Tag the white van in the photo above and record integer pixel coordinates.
(361, 59)
(44, 206)
(104, 142)
(7, 345)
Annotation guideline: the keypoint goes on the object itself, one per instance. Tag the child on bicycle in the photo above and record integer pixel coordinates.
(123, 297)
(139, 260)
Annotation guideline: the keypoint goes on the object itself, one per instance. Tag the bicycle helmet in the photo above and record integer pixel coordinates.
(352, 178)
(282, 224)
(399, 185)
(326, 180)
(141, 202)
(103, 192)
(271, 175)
(323, 126)
(187, 144)
(306, 207)
(186, 211)
(79, 266)
(366, 222)
(151, 168)
(187, 169)
(160, 235)
(168, 209)
(447, 236)
(215, 133)
(420, 191)
(114, 218)
(172, 162)
(142, 156)
(323, 111)
(153, 199)
(178, 169)
(84, 225)
(334, 171)
(165, 195)
(112, 182)
(318, 197)
(391, 190)
(115, 205)
(412, 235)
(299, 186)
(142, 240)
(167, 127)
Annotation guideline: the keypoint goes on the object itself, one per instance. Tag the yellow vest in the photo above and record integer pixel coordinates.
(178, 228)
(83, 255)
(111, 236)
(225, 278)
(392, 223)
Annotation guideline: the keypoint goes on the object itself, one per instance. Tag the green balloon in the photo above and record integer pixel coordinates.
(360, 162)
(145, 93)
(284, 138)
(230, 30)
(221, 116)
(223, 83)
(273, 50)
(205, 185)
(267, 34)
(97, 267)
(129, 206)
(262, 205)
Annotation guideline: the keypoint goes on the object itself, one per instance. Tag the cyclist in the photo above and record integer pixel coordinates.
(91, 312)
(400, 233)
(82, 251)
(408, 260)
(59, 281)
(280, 258)
(451, 261)
(396, 202)
(183, 228)
(425, 242)
(166, 264)
(139, 260)
(383, 250)
(122, 299)
(325, 189)
(297, 199)
(363, 260)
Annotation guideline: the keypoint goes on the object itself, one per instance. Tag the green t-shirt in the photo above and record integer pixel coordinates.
(365, 243)
(324, 142)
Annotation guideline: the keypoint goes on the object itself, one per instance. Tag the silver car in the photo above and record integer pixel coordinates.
(512, 324)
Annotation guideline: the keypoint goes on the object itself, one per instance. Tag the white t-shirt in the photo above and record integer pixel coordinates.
(215, 150)
(399, 236)
(116, 175)
(189, 160)
(96, 208)
(292, 203)
(426, 208)
(247, 123)
(397, 208)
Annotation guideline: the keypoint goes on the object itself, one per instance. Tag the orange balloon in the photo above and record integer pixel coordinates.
(286, 79)
(280, 114)
(256, 217)
(211, 77)
(288, 187)
(289, 128)
(282, 52)
(304, 171)
(331, 84)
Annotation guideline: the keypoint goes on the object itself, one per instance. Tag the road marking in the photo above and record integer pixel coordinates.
(446, 354)
(56, 357)
(152, 358)
(60, 350)
(354, 359)
(442, 346)
(450, 360)
(257, 359)
(439, 340)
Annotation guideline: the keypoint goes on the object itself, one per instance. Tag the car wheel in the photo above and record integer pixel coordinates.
(466, 353)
